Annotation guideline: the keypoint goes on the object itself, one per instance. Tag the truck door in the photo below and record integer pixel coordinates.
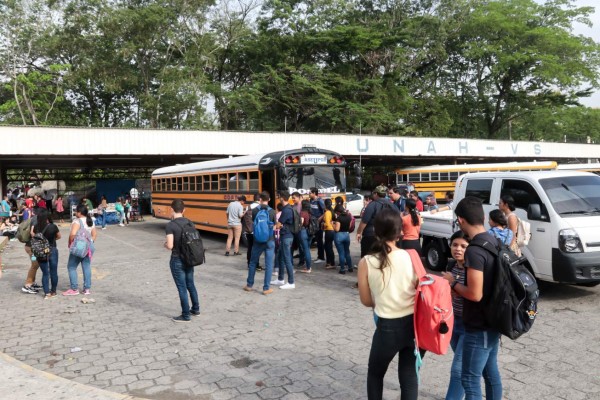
(539, 249)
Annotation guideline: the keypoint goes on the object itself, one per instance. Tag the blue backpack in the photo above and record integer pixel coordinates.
(263, 226)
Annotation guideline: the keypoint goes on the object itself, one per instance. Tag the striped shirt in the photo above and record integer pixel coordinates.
(459, 275)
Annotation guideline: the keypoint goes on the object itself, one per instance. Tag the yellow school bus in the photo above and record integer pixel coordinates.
(442, 178)
(208, 187)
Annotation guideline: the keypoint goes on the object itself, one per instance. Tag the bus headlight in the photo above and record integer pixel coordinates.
(569, 242)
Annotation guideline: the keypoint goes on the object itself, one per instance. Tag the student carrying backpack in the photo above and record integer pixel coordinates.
(512, 306)
(297, 224)
(40, 246)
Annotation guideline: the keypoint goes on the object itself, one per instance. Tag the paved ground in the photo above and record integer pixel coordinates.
(312, 342)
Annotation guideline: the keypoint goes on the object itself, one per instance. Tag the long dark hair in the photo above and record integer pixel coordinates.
(388, 227)
(82, 209)
(329, 207)
(42, 219)
(411, 206)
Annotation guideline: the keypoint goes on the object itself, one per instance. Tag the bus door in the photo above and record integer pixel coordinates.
(268, 184)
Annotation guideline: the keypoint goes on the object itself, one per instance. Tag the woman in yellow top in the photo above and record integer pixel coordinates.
(329, 235)
(387, 282)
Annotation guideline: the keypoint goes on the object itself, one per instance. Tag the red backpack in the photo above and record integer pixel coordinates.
(434, 317)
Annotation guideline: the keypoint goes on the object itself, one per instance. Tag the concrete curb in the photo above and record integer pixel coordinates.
(19, 380)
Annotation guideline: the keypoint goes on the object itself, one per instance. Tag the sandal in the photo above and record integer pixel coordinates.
(306, 271)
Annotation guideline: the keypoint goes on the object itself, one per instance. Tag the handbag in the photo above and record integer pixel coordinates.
(82, 245)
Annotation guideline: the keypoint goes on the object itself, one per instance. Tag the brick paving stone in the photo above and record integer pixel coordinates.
(252, 346)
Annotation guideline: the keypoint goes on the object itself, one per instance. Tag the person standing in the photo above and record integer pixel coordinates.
(182, 275)
(248, 229)
(329, 232)
(235, 211)
(49, 266)
(365, 233)
(258, 248)
(449, 197)
(286, 220)
(458, 245)
(83, 221)
(120, 210)
(387, 283)
(5, 213)
(480, 345)
(397, 199)
(30, 286)
(305, 237)
(60, 209)
(48, 200)
(411, 227)
(507, 206)
(317, 209)
(103, 208)
(342, 238)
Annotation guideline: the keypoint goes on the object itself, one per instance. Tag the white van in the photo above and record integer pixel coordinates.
(563, 208)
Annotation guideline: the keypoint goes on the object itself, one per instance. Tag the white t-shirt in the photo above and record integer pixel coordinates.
(84, 222)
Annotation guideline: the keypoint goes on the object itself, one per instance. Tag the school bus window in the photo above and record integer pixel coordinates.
(179, 184)
(186, 183)
(435, 176)
(222, 181)
(414, 177)
(173, 184)
(253, 180)
(232, 179)
(214, 182)
(243, 181)
(205, 182)
(192, 183)
(444, 176)
(425, 177)
(163, 184)
(453, 176)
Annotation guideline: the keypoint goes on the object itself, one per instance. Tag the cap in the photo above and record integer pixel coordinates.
(381, 190)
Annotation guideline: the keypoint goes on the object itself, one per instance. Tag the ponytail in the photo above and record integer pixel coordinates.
(414, 216)
(82, 209)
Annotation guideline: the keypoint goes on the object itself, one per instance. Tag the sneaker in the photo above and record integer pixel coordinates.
(104, 228)
(121, 225)
(180, 319)
(318, 260)
(49, 296)
(277, 282)
(247, 289)
(71, 292)
(342, 272)
(35, 286)
(329, 266)
(237, 253)
(227, 253)
(267, 292)
(195, 313)
(350, 269)
(288, 286)
(86, 291)
(29, 289)
(259, 268)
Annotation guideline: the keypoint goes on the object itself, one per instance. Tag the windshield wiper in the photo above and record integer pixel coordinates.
(575, 212)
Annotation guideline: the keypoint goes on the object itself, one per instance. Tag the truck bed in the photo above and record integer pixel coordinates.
(439, 225)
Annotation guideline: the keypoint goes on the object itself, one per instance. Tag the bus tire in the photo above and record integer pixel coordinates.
(435, 256)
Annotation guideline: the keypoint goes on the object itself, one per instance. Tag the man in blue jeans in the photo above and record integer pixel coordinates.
(258, 248)
(480, 345)
(182, 275)
(286, 238)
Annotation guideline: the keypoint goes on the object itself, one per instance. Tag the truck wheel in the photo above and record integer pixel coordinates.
(435, 256)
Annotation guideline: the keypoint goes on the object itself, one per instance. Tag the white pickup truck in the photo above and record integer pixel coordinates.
(563, 208)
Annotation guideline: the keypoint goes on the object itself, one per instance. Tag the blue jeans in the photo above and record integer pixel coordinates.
(455, 388)
(285, 248)
(104, 215)
(329, 254)
(257, 249)
(304, 240)
(86, 266)
(50, 271)
(184, 280)
(342, 244)
(480, 358)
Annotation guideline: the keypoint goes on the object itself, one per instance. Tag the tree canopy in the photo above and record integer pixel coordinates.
(453, 68)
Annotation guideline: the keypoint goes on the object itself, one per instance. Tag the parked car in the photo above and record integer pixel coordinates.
(354, 203)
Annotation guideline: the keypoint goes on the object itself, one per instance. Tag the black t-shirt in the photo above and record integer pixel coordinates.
(344, 221)
(174, 228)
(481, 260)
(50, 233)
(371, 211)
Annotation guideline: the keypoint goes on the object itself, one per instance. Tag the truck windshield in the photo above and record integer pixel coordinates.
(574, 195)
(326, 179)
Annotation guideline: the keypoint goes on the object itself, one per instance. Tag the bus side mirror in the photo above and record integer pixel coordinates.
(282, 173)
(358, 176)
(534, 212)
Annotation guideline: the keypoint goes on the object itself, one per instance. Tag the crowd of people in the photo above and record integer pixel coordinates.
(386, 278)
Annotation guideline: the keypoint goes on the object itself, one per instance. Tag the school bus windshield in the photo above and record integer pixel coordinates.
(325, 178)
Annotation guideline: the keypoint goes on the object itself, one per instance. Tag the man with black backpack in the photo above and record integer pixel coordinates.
(183, 275)
(480, 346)
(263, 218)
(365, 233)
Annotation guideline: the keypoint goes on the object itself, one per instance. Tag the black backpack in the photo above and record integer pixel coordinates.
(512, 306)
(191, 248)
(296, 225)
(40, 246)
(313, 225)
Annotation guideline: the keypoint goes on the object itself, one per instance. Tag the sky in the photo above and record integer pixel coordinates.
(593, 32)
